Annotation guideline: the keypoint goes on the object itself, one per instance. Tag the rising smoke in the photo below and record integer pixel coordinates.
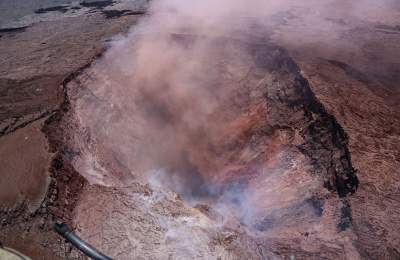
(158, 91)
(179, 103)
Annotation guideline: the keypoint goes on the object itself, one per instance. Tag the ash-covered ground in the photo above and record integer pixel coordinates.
(208, 130)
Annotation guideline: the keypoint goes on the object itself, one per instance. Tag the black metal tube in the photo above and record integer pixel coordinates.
(71, 237)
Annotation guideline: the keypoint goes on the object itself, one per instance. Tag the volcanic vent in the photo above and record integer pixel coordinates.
(227, 123)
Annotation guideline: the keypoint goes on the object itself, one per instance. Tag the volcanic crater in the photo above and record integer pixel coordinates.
(248, 145)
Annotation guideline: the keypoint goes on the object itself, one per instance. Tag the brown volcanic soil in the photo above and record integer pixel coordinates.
(25, 159)
(37, 186)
